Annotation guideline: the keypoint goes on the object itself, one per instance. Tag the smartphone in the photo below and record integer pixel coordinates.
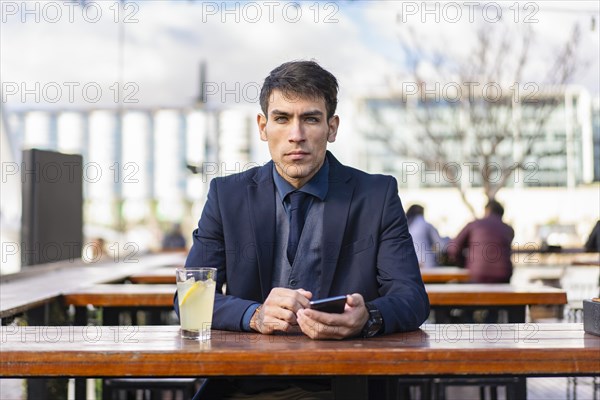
(329, 305)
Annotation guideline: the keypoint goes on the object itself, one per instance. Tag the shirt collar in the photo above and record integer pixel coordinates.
(317, 186)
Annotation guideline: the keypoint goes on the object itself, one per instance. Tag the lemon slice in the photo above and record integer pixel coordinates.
(191, 290)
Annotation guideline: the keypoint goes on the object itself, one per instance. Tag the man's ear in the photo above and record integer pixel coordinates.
(333, 123)
(261, 121)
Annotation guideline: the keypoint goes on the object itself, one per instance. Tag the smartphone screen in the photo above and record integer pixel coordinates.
(333, 305)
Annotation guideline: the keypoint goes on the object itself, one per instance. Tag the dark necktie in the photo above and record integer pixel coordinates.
(296, 223)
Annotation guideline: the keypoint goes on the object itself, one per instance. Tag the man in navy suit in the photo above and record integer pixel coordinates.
(364, 250)
(354, 239)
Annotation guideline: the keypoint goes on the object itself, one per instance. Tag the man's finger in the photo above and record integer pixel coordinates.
(325, 318)
(305, 293)
(316, 330)
(355, 300)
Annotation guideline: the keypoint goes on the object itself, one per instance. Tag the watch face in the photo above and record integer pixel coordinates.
(374, 329)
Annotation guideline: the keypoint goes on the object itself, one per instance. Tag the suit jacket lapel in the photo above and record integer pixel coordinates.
(261, 203)
(337, 206)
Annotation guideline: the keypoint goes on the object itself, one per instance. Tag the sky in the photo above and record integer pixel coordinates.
(59, 54)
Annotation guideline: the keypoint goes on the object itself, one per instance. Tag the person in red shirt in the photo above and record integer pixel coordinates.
(484, 247)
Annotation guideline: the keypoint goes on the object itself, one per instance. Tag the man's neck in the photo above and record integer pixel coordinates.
(297, 183)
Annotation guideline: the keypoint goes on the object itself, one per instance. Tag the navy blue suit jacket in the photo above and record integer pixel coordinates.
(367, 248)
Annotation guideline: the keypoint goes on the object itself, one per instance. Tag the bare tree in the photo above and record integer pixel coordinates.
(481, 124)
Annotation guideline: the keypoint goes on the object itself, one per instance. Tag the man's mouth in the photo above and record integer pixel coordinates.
(297, 154)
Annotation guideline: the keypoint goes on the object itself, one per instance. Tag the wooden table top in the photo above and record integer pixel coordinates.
(138, 351)
(166, 275)
(33, 287)
(445, 275)
(447, 294)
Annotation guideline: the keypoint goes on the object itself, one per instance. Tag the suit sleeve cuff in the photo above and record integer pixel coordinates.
(248, 316)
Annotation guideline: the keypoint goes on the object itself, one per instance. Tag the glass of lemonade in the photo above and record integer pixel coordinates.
(196, 296)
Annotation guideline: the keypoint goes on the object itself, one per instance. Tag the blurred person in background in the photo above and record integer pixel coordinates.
(484, 247)
(429, 245)
(95, 251)
(174, 240)
(592, 245)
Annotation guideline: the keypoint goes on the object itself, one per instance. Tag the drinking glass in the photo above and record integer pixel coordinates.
(196, 296)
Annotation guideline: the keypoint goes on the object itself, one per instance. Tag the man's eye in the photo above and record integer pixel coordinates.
(312, 119)
(280, 119)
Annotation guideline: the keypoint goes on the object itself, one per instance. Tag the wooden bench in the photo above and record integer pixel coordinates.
(512, 298)
(445, 275)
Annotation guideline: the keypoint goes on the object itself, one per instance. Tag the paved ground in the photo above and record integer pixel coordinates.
(539, 389)
(12, 389)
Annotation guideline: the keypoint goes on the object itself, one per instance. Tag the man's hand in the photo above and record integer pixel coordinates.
(278, 312)
(320, 325)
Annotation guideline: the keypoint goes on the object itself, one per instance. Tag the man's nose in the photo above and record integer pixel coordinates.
(296, 133)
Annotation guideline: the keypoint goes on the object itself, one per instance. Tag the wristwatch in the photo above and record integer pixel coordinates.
(375, 322)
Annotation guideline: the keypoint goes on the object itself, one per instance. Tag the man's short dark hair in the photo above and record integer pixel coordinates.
(495, 208)
(414, 210)
(301, 79)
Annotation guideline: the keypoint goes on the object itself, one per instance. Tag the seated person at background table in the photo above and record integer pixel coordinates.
(173, 240)
(354, 239)
(95, 251)
(484, 247)
(429, 245)
(592, 245)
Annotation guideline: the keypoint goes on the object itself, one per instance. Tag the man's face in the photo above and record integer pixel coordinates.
(297, 131)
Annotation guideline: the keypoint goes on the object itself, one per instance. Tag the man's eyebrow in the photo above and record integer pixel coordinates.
(304, 114)
(311, 112)
(279, 112)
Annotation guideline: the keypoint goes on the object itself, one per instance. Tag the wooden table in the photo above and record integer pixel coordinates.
(586, 263)
(433, 351)
(115, 298)
(430, 275)
(493, 294)
(445, 275)
(40, 285)
(512, 298)
(443, 298)
(564, 256)
(166, 275)
(162, 275)
(446, 296)
(122, 295)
